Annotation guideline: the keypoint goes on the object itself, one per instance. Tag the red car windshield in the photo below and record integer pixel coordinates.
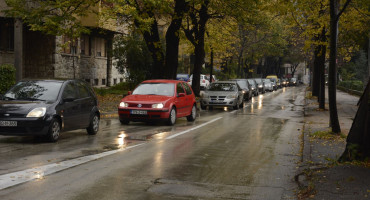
(164, 89)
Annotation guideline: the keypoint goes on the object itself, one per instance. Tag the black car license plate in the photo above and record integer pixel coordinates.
(139, 112)
(8, 123)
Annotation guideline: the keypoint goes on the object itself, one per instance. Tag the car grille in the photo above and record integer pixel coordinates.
(217, 103)
(213, 98)
(135, 105)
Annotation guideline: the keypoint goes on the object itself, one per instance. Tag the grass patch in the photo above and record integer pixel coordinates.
(327, 134)
(119, 89)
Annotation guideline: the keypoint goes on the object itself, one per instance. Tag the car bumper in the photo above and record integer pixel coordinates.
(151, 115)
(226, 102)
(26, 126)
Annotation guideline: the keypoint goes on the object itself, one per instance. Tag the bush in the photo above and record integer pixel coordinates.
(352, 85)
(119, 89)
(7, 77)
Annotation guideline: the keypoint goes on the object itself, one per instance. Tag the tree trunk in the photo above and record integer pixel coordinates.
(173, 39)
(322, 77)
(315, 73)
(334, 121)
(358, 139)
(154, 45)
(321, 63)
(196, 37)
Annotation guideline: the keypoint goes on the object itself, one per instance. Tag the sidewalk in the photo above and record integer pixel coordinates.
(324, 178)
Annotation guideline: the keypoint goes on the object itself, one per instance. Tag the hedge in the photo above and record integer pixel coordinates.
(7, 77)
(352, 85)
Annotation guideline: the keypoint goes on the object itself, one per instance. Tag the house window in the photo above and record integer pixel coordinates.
(103, 81)
(100, 47)
(85, 45)
(6, 34)
(96, 81)
(121, 80)
(69, 46)
(114, 81)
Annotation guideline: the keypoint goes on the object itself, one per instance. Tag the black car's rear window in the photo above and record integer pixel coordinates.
(34, 91)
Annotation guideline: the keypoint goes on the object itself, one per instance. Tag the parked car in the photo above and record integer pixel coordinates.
(244, 85)
(293, 81)
(223, 93)
(183, 77)
(158, 100)
(274, 84)
(284, 82)
(214, 79)
(254, 86)
(47, 107)
(260, 85)
(273, 76)
(204, 82)
(268, 85)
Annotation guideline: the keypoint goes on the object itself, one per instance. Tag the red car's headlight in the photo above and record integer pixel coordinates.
(123, 104)
(157, 105)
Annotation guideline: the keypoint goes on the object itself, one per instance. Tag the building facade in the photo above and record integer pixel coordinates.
(36, 55)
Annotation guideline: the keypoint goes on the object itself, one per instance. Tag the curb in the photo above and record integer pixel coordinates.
(108, 115)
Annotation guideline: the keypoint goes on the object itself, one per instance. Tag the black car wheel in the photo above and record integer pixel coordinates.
(172, 118)
(54, 131)
(203, 107)
(193, 114)
(94, 125)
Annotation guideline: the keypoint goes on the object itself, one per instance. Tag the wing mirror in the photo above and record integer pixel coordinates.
(129, 93)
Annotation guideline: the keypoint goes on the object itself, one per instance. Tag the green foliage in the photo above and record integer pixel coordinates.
(119, 89)
(132, 56)
(54, 17)
(352, 85)
(7, 77)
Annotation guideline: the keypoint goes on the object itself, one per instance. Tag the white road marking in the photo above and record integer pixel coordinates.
(183, 132)
(15, 178)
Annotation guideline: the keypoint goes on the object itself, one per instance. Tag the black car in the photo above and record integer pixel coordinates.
(254, 86)
(47, 107)
(247, 89)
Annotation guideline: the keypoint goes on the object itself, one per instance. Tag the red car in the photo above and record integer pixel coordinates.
(155, 100)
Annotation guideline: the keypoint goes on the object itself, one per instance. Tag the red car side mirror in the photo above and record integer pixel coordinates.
(181, 94)
(129, 93)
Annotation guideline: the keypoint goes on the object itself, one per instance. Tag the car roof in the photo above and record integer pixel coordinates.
(163, 81)
(224, 82)
(49, 80)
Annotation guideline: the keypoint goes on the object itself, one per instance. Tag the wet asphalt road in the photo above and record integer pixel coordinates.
(251, 153)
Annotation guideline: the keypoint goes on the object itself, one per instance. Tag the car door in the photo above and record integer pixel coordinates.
(70, 108)
(189, 98)
(180, 101)
(86, 103)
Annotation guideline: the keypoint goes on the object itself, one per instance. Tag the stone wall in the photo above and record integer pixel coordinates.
(92, 68)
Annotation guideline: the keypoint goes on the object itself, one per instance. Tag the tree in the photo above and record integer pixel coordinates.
(334, 19)
(53, 17)
(147, 16)
(195, 30)
(132, 57)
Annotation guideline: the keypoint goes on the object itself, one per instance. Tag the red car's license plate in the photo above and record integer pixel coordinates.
(8, 123)
(139, 112)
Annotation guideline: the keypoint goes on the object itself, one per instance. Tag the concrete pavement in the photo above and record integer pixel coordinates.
(321, 176)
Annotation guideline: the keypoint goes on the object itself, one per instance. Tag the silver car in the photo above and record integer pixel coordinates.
(268, 85)
(222, 93)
